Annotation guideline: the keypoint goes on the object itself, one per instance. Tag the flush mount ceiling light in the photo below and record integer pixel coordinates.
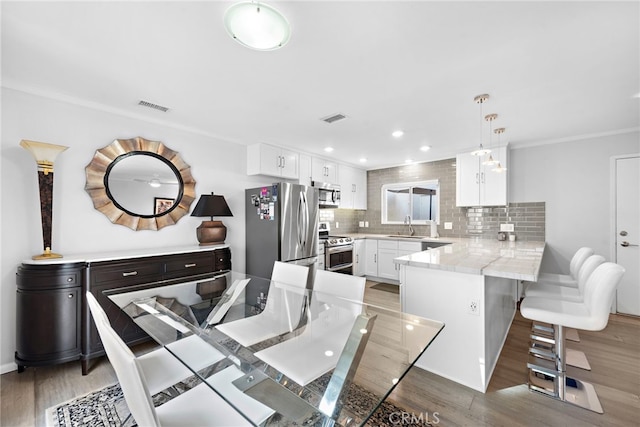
(257, 25)
(481, 151)
(328, 149)
(425, 148)
(397, 133)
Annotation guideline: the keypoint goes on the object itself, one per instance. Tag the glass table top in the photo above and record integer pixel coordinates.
(278, 353)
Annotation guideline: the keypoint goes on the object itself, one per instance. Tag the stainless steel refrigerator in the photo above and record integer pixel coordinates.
(282, 225)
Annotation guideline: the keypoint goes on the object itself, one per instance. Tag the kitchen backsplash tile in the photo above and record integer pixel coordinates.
(484, 222)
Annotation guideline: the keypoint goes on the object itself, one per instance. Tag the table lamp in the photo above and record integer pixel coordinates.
(211, 232)
(45, 154)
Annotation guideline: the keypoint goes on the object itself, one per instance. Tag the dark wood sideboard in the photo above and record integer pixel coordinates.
(53, 322)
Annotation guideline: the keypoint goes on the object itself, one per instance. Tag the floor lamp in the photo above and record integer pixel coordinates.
(45, 154)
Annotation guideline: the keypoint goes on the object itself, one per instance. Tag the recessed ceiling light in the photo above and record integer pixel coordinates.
(397, 133)
(408, 161)
(328, 149)
(363, 160)
(425, 148)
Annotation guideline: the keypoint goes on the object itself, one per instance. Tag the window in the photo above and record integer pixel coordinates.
(417, 201)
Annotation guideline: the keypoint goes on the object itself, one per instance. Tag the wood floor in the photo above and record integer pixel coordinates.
(614, 355)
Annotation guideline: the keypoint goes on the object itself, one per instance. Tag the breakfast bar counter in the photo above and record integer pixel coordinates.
(472, 286)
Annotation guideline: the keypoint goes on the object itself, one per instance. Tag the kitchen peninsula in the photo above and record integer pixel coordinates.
(472, 286)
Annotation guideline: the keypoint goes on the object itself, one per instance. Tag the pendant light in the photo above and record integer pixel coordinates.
(499, 168)
(490, 118)
(481, 151)
(257, 25)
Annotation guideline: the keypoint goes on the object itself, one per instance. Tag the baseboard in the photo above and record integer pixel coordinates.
(8, 367)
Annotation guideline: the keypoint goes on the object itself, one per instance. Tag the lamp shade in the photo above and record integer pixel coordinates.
(211, 205)
(45, 154)
(211, 232)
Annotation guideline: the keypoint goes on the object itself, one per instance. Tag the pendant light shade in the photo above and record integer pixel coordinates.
(490, 118)
(481, 151)
(257, 25)
(499, 168)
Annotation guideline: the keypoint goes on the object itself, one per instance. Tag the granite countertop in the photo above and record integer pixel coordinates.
(133, 253)
(511, 260)
(488, 257)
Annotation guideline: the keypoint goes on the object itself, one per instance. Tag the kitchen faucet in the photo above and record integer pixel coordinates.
(407, 221)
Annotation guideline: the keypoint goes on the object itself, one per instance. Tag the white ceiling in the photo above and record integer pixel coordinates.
(554, 71)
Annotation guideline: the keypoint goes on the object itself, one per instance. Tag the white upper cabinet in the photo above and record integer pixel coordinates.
(477, 184)
(304, 169)
(353, 187)
(264, 159)
(323, 170)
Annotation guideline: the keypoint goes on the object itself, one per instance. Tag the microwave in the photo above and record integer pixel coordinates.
(328, 194)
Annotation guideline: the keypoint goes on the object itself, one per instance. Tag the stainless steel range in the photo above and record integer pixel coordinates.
(338, 251)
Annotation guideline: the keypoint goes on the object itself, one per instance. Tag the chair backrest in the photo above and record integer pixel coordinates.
(290, 274)
(587, 269)
(598, 294)
(341, 285)
(125, 365)
(578, 259)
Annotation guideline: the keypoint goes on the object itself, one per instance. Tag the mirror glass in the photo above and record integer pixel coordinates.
(418, 201)
(140, 184)
(143, 184)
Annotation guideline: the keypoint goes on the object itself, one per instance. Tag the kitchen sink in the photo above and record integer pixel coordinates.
(406, 236)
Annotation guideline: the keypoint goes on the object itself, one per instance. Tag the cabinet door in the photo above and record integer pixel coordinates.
(324, 171)
(371, 257)
(264, 159)
(289, 164)
(304, 169)
(47, 324)
(467, 180)
(386, 267)
(359, 258)
(360, 186)
(493, 185)
(345, 179)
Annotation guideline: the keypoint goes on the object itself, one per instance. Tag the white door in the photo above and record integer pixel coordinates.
(628, 233)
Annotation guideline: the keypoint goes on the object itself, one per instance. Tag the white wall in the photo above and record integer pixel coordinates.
(573, 179)
(78, 228)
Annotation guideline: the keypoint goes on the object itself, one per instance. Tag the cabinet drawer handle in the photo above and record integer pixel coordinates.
(69, 279)
(189, 265)
(70, 296)
(131, 273)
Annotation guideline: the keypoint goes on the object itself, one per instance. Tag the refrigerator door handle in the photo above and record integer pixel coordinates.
(305, 219)
(299, 221)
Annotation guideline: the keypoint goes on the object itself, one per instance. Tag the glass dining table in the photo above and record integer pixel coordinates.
(281, 354)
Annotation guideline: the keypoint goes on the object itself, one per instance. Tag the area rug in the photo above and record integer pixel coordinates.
(386, 287)
(107, 408)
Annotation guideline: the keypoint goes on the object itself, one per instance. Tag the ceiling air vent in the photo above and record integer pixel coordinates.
(154, 106)
(334, 118)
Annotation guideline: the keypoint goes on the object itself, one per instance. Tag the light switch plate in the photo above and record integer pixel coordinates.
(366, 223)
(448, 225)
(506, 227)
(361, 224)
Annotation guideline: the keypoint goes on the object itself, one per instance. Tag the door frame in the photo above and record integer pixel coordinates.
(613, 211)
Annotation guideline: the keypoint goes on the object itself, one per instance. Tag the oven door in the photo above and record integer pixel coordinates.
(339, 259)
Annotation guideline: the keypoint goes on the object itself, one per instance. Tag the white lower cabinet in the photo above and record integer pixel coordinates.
(387, 251)
(381, 253)
(371, 257)
(359, 257)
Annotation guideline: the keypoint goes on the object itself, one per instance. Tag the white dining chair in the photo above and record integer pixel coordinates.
(283, 308)
(160, 367)
(336, 303)
(199, 406)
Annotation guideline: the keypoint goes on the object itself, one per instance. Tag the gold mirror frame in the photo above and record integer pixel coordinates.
(96, 187)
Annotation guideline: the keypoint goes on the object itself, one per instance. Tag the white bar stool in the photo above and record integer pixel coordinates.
(565, 280)
(542, 336)
(591, 314)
